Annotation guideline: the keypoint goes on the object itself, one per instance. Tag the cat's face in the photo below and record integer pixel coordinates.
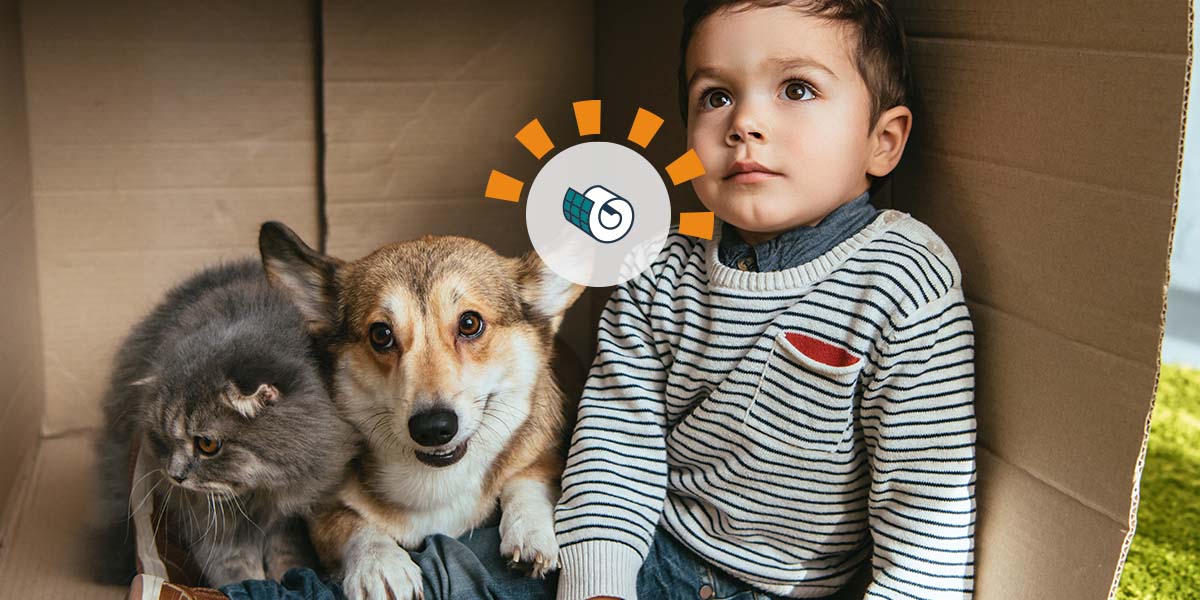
(203, 444)
(231, 422)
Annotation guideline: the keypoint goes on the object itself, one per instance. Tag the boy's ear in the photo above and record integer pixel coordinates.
(546, 294)
(304, 274)
(889, 138)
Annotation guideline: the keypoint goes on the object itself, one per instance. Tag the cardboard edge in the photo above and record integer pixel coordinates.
(1135, 497)
(20, 496)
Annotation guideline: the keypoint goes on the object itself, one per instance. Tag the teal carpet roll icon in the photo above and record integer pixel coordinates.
(598, 212)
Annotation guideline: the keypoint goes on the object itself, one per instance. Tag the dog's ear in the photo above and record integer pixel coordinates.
(307, 276)
(546, 294)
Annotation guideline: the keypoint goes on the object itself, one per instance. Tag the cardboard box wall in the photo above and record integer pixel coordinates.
(160, 135)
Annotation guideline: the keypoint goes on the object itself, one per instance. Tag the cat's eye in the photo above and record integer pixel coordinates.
(381, 337)
(207, 446)
(470, 324)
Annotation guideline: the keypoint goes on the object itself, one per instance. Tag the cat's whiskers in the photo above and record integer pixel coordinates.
(209, 521)
(165, 504)
(142, 503)
(188, 527)
(143, 477)
(237, 503)
(212, 513)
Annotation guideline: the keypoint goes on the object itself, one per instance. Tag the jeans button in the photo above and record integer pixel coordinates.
(705, 592)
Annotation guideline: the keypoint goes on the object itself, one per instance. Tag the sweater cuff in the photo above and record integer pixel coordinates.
(598, 568)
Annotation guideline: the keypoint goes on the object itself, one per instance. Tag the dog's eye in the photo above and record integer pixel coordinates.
(381, 337)
(470, 324)
(206, 445)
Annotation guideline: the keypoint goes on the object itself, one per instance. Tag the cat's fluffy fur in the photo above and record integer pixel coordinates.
(224, 356)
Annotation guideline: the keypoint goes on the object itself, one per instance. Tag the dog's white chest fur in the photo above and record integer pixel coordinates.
(447, 501)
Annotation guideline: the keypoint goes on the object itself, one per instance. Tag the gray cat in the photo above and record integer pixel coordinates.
(221, 384)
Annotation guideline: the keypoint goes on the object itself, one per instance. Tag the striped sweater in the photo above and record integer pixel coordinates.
(786, 426)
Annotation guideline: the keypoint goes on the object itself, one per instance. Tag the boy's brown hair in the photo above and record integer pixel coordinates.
(882, 53)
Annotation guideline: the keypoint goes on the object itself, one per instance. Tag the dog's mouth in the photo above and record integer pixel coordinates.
(443, 458)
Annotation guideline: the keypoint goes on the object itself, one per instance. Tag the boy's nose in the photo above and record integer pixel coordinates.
(742, 136)
(745, 128)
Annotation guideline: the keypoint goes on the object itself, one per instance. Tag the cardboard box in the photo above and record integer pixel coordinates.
(140, 140)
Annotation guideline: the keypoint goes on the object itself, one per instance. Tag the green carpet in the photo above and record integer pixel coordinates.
(1164, 561)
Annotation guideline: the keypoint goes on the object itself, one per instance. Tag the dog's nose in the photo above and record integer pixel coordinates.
(433, 427)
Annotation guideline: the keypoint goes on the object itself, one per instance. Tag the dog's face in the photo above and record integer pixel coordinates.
(436, 344)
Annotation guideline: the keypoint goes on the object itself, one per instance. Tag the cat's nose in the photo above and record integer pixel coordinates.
(179, 478)
(433, 427)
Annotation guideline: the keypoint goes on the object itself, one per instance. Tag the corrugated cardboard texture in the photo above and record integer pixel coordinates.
(162, 135)
(50, 562)
(1045, 153)
(21, 390)
(422, 100)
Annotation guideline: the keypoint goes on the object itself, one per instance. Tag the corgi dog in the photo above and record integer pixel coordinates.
(438, 351)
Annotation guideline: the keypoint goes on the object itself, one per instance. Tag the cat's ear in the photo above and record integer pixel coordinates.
(249, 406)
(546, 294)
(307, 276)
(145, 382)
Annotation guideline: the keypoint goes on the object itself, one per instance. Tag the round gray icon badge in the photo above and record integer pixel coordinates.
(598, 213)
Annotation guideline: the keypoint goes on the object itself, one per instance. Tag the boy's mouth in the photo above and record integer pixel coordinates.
(749, 172)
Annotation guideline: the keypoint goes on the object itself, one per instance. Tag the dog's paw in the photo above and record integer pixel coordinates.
(529, 544)
(384, 572)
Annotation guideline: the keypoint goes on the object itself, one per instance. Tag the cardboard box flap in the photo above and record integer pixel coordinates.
(422, 101)
(51, 560)
(1149, 26)
(1045, 152)
(161, 137)
(21, 387)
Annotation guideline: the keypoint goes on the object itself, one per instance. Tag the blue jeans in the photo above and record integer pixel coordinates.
(471, 568)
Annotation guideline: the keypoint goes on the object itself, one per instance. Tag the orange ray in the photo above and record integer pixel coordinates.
(503, 187)
(587, 116)
(685, 168)
(534, 138)
(645, 125)
(696, 224)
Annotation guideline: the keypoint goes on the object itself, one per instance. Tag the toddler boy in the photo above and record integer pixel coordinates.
(773, 409)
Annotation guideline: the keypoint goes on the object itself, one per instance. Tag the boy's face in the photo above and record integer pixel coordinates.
(778, 115)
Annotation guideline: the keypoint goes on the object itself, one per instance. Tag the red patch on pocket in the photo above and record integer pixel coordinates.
(822, 352)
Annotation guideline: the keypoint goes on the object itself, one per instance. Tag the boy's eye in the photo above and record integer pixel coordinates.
(798, 90)
(715, 99)
(207, 446)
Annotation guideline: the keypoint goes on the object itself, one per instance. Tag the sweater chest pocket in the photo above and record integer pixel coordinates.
(805, 395)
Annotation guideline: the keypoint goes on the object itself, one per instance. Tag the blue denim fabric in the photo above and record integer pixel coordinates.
(297, 584)
(471, 568)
